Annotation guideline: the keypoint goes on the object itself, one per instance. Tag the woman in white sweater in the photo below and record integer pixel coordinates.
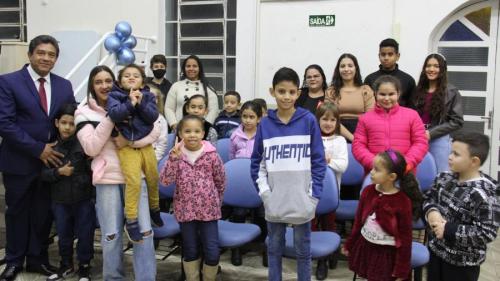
(192, 82)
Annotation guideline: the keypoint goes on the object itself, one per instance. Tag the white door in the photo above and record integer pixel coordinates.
(469, 41)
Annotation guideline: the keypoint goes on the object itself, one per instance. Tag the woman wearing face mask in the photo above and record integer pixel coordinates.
(158, 66)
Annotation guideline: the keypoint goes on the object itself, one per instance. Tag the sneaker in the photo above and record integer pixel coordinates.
(133, 232)
(84, 272)
(63, 272)
(156, 218)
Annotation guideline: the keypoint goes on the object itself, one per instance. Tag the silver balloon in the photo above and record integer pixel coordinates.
(125, 56)
(130, 42)
(123, 30)
(112, 43)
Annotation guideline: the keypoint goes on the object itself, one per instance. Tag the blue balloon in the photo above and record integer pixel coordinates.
(123, 30)
(125, 56)
(112, 43)
(130, 42)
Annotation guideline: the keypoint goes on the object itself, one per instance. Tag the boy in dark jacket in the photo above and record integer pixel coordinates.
(463, 212)
(229, 119)
(133, 109)
(72, 192)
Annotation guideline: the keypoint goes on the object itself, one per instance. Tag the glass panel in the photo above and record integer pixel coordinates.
(469, 81)
(231, 9)
(171, 39)
(230, 74)
(171, 10)
(10, 33)
(202, 29)
(202, 47)
(466, 56)
(202, 12)
(474, 105)
(9, 4)
(481, 18)
(172, 70)
(212, 66)
(231, 38)
(459, 32)
(473, 126)
(216, 82)
(10, 17)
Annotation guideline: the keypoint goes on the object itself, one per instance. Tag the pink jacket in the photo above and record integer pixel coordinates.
(97, 143)
(241, 146)
(400, 129)
(199, 187)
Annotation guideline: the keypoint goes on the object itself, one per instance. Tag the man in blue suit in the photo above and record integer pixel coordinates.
(29, 100)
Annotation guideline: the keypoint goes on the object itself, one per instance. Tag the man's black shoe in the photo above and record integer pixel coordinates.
(10, 273)
(44, 269)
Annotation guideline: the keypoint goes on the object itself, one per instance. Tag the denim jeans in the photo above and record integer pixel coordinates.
(75, 220)
(276, 247)
(206, 231)
(110, 212)
(440, 149)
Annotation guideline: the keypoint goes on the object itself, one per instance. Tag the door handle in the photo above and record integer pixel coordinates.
(489, 117)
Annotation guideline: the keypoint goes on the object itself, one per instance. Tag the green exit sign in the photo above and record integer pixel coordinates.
(321, 20)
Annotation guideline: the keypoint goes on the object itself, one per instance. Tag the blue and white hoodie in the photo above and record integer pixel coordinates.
(288, 166)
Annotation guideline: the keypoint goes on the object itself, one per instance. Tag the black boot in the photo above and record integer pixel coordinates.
(321, 270)
(236, 257)
(333, 259)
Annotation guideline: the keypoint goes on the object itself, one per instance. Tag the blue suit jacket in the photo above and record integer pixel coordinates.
(24, 126)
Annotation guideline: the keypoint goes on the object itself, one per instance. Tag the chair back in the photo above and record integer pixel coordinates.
(240, 189)
(329, 200)
(354, 173)
(166, 192)
(170, 142)
(426, 172)
(223, 149)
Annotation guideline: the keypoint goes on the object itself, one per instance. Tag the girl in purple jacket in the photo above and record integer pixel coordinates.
(198, 172)
(243, 137)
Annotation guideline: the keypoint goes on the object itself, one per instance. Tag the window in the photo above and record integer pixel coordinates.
(206, 29)
(13, 20)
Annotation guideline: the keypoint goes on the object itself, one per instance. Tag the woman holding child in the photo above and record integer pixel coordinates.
(94, 131)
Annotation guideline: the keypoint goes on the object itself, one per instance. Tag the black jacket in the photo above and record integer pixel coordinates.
(78, 186)
(453, 117)
(407, 82)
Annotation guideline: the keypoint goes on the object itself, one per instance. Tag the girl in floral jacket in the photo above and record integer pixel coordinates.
(198, 172)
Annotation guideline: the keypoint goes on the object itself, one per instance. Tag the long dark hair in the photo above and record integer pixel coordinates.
(396, 163)
(337, 81)
(92, 75)
(437, 100)
(201, 74)
(305, 88)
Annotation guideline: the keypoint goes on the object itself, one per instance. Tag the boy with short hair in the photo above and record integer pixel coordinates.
(389, 55)
(158, 65)
(229, 118)
(288, 167)
(463, 212)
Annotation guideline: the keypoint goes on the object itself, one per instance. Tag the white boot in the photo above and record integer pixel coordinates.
(192, 270)
(210, 272)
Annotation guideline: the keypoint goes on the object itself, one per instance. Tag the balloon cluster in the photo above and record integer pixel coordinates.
(121, 43)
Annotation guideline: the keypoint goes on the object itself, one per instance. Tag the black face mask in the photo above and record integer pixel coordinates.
(159, 73)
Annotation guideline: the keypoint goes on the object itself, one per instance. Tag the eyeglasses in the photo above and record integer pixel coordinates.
(313, 77)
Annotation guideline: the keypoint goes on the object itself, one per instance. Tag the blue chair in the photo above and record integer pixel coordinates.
(170, 228)
(240, 192)
(323, 243)
(223, 149)
(170, 142)
(426, 172)
(353, 176)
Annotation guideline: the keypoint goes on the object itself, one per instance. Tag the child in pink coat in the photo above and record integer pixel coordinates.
(389, 125)
(197, 170)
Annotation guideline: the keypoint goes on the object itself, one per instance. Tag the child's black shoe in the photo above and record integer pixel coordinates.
(133, 232)
(156, 218)
(63, 272)
(84, 272)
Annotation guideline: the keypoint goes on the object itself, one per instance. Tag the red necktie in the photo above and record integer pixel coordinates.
(43, 95)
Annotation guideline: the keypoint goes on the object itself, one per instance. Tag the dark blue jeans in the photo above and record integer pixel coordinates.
(206, 232)
(75, 220)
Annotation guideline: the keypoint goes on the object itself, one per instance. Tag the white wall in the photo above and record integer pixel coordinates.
(284, 37)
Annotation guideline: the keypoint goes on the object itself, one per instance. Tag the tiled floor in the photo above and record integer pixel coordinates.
(252, 269)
